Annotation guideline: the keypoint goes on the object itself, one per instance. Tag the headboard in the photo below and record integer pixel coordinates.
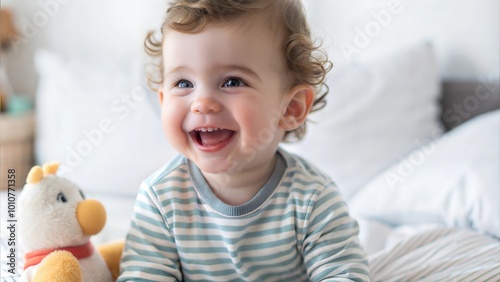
(463, 100)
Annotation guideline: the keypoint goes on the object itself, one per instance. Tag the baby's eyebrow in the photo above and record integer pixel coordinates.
(243, 69)
(225, 68)
(178, 69)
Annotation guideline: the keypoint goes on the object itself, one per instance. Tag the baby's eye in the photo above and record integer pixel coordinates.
(184, 84)
(233, 82)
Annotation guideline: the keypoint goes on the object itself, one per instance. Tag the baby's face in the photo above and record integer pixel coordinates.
(223, 95)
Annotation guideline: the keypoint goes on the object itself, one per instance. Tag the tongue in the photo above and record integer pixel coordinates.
(214, 137)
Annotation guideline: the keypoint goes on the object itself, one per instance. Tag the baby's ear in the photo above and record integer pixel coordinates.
(300, 100)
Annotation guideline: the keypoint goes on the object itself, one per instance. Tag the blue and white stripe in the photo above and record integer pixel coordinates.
(297, 228)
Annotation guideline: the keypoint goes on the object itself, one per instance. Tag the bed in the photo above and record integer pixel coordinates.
(416, 157)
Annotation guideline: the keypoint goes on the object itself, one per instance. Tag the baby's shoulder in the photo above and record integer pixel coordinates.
(170, 187)
(300, 168)
(176, 170)
(306, 181)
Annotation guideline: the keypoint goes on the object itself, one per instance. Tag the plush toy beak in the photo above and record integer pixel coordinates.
(91, 216)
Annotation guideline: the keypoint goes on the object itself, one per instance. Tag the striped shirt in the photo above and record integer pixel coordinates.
(297, 228)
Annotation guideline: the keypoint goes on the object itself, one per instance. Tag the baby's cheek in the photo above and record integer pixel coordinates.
(172, 121)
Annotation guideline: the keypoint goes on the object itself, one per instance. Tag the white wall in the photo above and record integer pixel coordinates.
(464, 32)
(93, 30)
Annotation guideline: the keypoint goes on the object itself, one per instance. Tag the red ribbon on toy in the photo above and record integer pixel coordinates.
(80, 252)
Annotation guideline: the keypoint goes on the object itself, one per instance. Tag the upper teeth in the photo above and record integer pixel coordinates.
(208, 129)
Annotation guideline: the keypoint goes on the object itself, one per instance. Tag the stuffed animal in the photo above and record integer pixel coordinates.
(55, 225)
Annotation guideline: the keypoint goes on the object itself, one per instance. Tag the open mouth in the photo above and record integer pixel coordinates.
(211, 136)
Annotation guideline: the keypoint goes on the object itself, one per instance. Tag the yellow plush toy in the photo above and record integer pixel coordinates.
(55, 225)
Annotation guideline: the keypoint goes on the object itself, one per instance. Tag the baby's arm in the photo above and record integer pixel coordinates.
(331, 246)
(150, 253)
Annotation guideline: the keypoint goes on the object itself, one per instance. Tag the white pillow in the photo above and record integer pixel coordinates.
(454, 181)
(377, 112)
(100, 121)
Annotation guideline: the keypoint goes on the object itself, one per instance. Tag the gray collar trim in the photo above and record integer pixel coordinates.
(206, 194)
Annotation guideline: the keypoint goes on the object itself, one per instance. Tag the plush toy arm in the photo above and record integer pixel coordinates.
(111, 252)
(58, 266)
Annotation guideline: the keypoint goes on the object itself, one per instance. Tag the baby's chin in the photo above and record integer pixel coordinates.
(215, 168)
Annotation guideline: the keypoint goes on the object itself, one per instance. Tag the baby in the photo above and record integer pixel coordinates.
(237, 78)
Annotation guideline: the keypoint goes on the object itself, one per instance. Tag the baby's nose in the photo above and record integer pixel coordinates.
(204, 105)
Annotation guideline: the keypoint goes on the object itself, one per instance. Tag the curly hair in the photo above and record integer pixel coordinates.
(306, 62)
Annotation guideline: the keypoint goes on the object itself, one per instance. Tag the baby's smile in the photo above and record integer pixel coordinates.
(211, 138)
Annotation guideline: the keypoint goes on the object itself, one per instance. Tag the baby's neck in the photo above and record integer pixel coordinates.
(238, 188)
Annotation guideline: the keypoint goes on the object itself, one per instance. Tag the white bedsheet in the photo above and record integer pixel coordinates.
(453, 181)
(435, 215)
(438, 254)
